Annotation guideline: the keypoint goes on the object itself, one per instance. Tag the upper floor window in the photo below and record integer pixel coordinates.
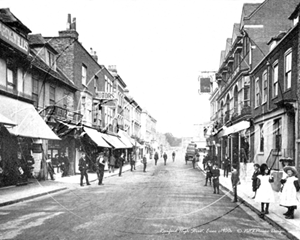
(50, 59)
(277, 134)
(265, 87)
(35, 91)
(96, 83)
(257, 93)
(288, 70)
(11, 75)
(83, 75)
(52, 95)
(275, 80)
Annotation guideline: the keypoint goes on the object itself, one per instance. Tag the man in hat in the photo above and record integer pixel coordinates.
(83, 165)
(100, 164)
(288, 197)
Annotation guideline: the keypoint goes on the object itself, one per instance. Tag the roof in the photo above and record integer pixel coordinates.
(38, 40)
(295, 12)
(39, 63)
(277, 37)
(249, 8)
(11, 20)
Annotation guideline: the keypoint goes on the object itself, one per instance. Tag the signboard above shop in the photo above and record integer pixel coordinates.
(106, 95)
(205, 84)
(11, 37)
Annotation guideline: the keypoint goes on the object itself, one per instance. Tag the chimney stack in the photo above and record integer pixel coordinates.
(70, 29)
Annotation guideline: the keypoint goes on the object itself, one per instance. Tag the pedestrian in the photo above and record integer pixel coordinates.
(235, 179)
(83, 166)
(226, 165)
(66, 164)
(254, 178)
(173, 156)
(145, 162)
(165, 156)
(264, 193)
(100, 165)
(156, 157)
(290, 187)
(55, 163)
(112, 162)
(132, 162)
(208, 172)
(215, 176)
(50, 168)
(121, 161)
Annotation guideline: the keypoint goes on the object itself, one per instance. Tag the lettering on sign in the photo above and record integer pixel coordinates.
(106, 95)
(12, 37)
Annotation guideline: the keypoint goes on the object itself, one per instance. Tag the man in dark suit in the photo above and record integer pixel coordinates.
(100, 165)
(234, 180)
(83, 165)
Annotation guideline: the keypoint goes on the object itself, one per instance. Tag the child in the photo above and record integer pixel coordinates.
(290, 188)
(254, 179)
(215, 176)
(264, 194)
(208, 173)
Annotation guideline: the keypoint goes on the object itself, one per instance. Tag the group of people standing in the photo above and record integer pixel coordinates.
(212, 173)
(60, 162)
(263, 191)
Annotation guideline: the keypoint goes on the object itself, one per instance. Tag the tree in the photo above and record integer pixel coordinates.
(173, 141)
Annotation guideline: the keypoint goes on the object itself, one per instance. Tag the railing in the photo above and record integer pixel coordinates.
(276, 154)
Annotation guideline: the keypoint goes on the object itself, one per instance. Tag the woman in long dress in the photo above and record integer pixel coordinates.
(264, 194)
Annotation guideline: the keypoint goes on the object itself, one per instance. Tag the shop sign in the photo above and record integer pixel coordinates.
(13, 38)
(204, 85)
(106, 95)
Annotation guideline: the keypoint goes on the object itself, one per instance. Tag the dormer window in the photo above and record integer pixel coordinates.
(50, 60)
(295, 21)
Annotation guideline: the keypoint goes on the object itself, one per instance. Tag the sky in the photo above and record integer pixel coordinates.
(160, 47)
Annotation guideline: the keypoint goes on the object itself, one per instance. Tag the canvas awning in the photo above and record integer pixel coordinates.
(113, 141)
(5, 121)
(125, 139)
(29, 122)
(96, 137)
(234, 128)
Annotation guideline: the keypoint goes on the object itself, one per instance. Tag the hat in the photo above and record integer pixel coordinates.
(293, 169)
(288, 159)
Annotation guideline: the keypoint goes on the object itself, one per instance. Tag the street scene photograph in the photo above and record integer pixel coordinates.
(149, 119)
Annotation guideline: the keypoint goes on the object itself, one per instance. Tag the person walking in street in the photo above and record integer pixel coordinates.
(226, 166)
(132, 162)
(145, 162)
(66, 163)
(55, 163)
(156, 157)
(100, 165)
(290, 187)
(112, 162)
(254, 178)
(215, 176)
(165, 156)
(83, 165)
(208, 172)
(173, 156)
(50, 168)
(264, 193)
(121, 161)
(235, 179)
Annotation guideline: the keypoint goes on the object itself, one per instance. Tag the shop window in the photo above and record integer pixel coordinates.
(262, 138)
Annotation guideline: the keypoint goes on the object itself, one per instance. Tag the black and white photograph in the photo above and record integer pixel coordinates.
(149, 119)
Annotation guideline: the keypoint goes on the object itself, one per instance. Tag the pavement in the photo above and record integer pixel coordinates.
(275, 217)
(15, 194)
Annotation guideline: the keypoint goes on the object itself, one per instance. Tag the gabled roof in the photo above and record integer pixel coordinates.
(295, 13)
(37, 62)
(37, 40)
(228, 46)
(222, 58)
(236, 32)
(11, 20)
